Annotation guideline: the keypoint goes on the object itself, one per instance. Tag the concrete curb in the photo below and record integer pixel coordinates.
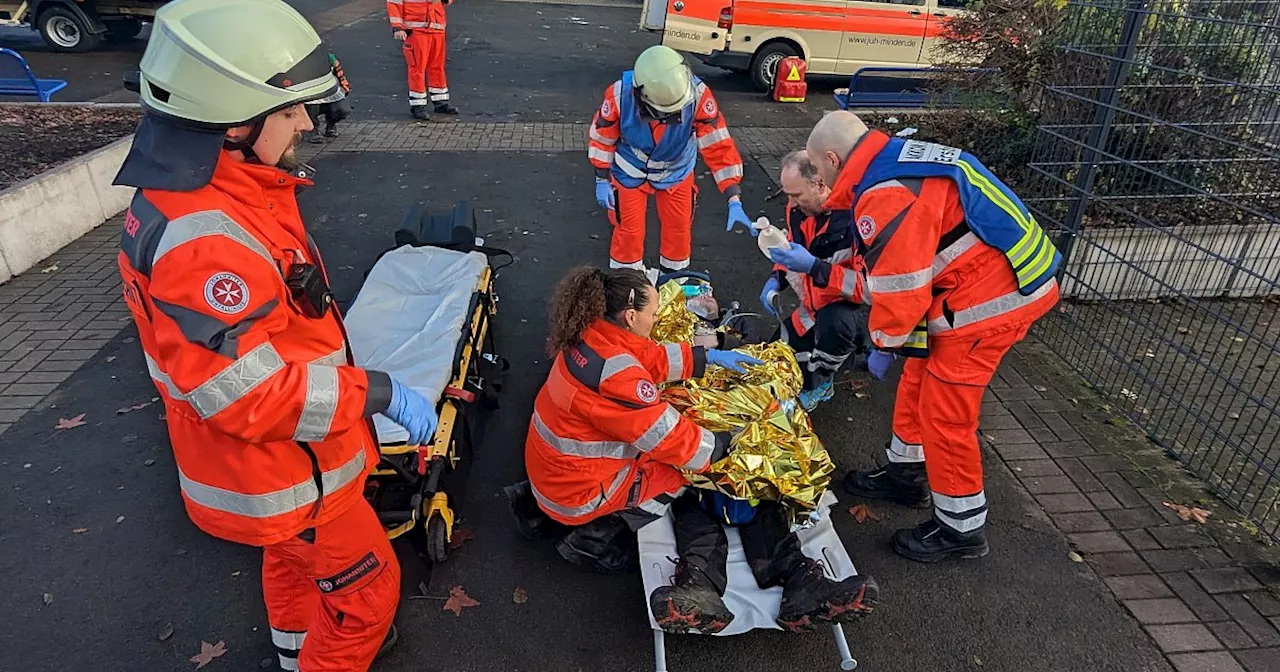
(41, 215)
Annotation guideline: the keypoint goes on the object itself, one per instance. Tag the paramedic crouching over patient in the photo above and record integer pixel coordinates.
(268, 418)
(602, 443)
(957, 270)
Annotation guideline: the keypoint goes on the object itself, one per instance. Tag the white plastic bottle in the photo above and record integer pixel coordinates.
(772, 237)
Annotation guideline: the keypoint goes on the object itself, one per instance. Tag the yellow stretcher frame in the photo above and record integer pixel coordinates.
(443, 446)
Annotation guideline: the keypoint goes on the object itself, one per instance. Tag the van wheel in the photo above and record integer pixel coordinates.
(764, 67)
(64, 30)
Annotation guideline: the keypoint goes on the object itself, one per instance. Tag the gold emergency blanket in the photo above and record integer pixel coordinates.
(776, 455)
(673, 322)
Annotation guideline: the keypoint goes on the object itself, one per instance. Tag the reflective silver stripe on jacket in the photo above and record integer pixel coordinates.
(272, 503)
(617, 364)
(235, 381)
(163, 378)
(600, 154)
(946, 257)
(887, 341)
(336, 358)
(590, 507)
(899, 282)
(716, 136)
(207, 223)
(986, 310)
(627, 168)
(706, 447)
(659, 430)
(849, 283)
(806, 320)
(320, 405)
(617, 450)
(675, 361)
(600, 137)
(728, 173)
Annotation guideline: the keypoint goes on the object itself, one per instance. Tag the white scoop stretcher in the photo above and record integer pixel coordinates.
(752, 607)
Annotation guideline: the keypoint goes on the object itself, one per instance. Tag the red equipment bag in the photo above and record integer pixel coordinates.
(788, 82)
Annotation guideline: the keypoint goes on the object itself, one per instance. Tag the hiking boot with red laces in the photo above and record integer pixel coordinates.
(809, 597)
(691, 604)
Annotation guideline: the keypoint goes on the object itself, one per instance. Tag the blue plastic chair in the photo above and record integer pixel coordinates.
(862, 94)
(16, 78)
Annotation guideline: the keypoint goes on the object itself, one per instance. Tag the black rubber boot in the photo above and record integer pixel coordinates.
(314, 138)
(330, 130)
(445, 108)
(693, 603)
(530, 520)
(931, 542)
(420, 112)
(903, 483)
(809, 597)
(388, 642)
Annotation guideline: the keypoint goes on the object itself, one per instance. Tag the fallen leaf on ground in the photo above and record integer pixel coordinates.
(165, 633)
(977, 661)
(120, 519)
(458, 600)
(861, 395)
(148, 463)
(461, 535)
(1074, 557)
(80, 530)
(135, 407)
(48, 599)
(49, 269)
(1038, 388)
(71, 423)
(1189, 513)
(208, 652)
(422, 587)
(520, 596)
(110, 359)
(863, 513)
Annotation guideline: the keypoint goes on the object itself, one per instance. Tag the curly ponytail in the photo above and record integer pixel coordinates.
(588, 294)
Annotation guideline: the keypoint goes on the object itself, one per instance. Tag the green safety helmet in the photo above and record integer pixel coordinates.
(225, 63)
(663, 80)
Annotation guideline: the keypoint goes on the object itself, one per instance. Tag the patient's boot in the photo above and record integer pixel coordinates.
(808, 597)
(693, 603)
(903, 483)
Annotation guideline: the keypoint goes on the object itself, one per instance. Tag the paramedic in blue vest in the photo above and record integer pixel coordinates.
(645, 139)
(957, 270)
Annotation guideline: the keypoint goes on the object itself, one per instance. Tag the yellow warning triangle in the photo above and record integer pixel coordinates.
(794, 76)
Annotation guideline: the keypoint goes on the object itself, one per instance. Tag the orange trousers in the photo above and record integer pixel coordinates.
(676, 207)
(424, 53)
(331, 593)
(935, 420)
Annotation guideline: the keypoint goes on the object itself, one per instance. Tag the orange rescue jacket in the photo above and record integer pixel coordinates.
(601, 440)
(266, 413)
(424, 15)
(927, 275)
(837, 273)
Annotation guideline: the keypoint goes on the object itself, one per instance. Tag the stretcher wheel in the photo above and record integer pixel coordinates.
(437, 541)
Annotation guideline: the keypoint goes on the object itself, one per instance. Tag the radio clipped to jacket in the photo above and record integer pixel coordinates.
(308, 289)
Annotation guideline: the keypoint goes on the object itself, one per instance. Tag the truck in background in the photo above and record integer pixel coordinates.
(835, 37)
(80, 25)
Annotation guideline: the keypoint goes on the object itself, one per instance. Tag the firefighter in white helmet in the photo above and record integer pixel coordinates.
(268, 416)
(645, 139)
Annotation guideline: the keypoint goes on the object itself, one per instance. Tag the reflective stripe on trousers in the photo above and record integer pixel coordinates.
(903, 452)
(288, 645)
(962, 514)
(266, 505)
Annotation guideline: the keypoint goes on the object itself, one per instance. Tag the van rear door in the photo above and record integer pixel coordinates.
(689, 25)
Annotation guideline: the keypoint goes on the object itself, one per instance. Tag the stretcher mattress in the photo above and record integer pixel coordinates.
(752, 607)
(408, 317)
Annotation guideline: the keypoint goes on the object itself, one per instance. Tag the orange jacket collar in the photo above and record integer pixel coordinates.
(854, 168)
(251, 182)
(617, 335)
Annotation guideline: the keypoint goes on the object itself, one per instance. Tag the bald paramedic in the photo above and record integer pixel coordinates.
(957, 270)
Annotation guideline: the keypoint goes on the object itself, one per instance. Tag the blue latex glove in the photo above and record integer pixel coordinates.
(878, 363)
(796, 258)
(728, 359)
(738, 215)
(771, 289)
(604, 194)
(413, 412)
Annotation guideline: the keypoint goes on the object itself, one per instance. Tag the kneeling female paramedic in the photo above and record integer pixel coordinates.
(602, 443)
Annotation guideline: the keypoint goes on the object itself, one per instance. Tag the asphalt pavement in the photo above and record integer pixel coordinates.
(100, 560)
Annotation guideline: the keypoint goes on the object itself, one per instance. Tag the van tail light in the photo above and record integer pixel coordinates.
(726, 18)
